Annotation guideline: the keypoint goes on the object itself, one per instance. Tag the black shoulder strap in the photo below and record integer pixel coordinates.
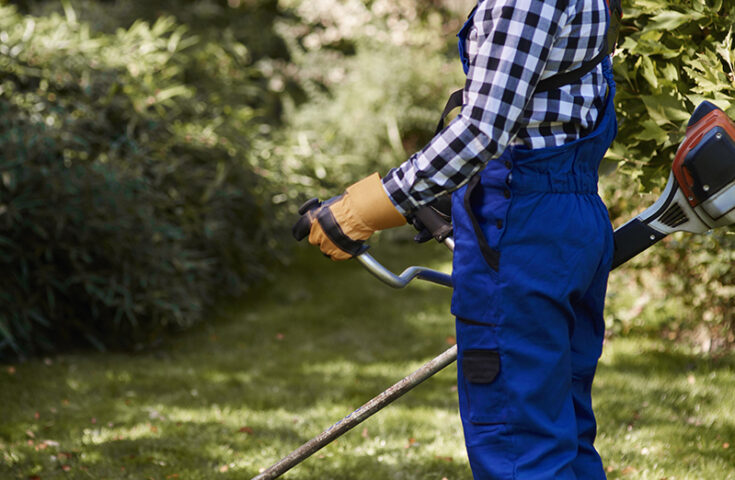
(615, 11)
(567, 78)
(455, 100)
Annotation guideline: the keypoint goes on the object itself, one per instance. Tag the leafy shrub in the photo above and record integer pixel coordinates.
(128, 199)
(674, 54)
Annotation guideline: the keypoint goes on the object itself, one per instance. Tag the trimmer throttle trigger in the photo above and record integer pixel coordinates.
(302, 227)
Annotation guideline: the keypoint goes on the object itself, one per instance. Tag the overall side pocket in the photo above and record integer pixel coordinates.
(480, 383)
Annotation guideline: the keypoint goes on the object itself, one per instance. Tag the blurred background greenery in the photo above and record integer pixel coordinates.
(152, 154)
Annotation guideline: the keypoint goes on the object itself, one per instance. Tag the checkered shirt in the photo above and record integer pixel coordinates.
(511, 46)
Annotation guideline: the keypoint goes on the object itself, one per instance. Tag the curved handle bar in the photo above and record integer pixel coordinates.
(400, 281)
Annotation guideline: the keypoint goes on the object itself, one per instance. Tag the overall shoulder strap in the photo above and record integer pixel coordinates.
(615, 14)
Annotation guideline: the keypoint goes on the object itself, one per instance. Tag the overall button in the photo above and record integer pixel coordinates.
(506, 193)
(508, 164)
(499, 224)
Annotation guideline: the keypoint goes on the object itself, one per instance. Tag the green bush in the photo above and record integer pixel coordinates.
(128, 196)
(674, 54)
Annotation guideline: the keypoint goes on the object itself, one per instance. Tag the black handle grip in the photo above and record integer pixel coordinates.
(302, 227)
(434, 222)
(631, 239)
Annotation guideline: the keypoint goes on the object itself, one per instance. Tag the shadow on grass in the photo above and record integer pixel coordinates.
(670, 409)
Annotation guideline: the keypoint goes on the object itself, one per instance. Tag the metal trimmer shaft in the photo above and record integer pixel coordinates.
(359, 415)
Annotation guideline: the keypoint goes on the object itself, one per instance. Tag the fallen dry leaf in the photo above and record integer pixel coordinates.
(247, 430)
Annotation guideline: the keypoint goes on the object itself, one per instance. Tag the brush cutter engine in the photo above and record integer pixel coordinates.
(700, 192)
(704, 168)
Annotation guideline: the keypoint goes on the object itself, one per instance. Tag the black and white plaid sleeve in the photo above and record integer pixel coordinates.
(512, 45)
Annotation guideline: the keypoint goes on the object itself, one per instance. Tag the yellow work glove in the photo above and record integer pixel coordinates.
(341, 225)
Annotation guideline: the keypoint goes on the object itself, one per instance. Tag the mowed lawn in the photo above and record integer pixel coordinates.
(230, 398)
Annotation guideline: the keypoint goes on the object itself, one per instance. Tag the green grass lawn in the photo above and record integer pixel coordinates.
(236, 395)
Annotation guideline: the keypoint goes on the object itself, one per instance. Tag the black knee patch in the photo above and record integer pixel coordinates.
(480, 366)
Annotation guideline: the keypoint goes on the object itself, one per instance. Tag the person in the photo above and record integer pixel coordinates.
(533, 240)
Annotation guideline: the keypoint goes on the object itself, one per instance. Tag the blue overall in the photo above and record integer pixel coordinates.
(533, 249)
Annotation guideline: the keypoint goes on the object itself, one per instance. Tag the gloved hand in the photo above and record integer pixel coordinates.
(341, 225)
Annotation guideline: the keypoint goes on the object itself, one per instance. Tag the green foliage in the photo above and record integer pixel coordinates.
(145, 138)
(675, 54)
(127, 197)
(697, 272)
(375, 77)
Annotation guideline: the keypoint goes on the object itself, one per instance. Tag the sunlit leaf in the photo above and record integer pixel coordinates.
(670, 19)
